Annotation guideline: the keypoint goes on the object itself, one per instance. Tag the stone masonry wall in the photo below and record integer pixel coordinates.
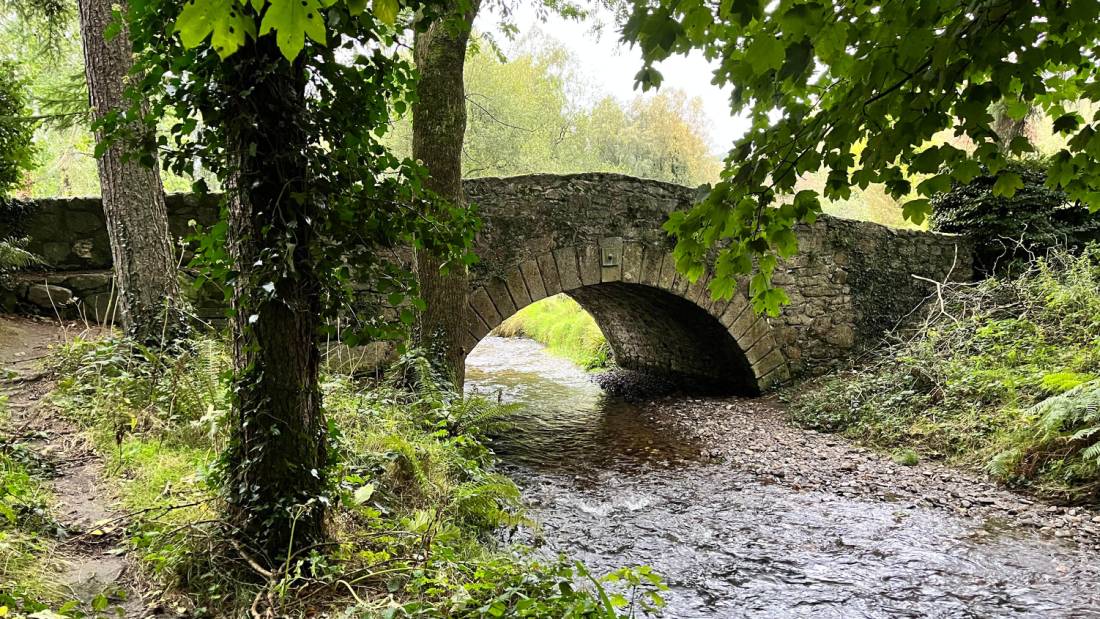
(597, 237)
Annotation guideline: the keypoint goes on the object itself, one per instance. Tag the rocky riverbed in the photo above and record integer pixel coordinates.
(746, 515)
(753, 436)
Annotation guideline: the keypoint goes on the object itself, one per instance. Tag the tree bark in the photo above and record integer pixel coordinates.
(279, 453)
(133, 197)
(439, 128)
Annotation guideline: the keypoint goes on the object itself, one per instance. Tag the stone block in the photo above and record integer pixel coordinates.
(49, 296)
(652, 257)
(668, 272)
(517, 288)
(485, 309)
(632, 262)
(588, 258)
(502, 299)
(533, 278)
(568, 268)
(549, 270)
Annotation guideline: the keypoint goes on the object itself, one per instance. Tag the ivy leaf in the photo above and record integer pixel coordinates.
(292, 21)
(1007, 184)
(221, 20)
(385, 11)
(916, 210)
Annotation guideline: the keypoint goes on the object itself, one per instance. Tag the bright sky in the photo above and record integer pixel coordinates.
(610, 67)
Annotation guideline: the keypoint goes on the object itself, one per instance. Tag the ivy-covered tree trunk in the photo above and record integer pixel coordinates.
(278, 456)
(133, 197)
(439, 128)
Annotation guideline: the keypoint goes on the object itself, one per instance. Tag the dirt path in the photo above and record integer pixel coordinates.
(90, 557)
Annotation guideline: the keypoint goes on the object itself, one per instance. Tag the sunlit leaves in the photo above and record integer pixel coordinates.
(229, 24)
(822, 81)
(221, 20)
(385, 11)
(765, 54)
(917, 210)
(1006, 184)
(292, 21)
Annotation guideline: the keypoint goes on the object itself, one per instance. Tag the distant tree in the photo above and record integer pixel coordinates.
(819, 78)
(16, 155)
(142, 251)
(16, 130)
(525, 115)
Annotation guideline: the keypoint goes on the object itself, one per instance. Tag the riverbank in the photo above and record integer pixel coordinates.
(754, 437)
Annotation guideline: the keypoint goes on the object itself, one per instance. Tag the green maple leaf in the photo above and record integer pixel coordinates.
(765, 53)
(221, 20)
(916, 210)
(292, 21)
(1006, 185)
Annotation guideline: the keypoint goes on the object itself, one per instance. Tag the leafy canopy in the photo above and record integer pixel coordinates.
(818, 78)
(228, 25)
(16, 130)
(358, 198)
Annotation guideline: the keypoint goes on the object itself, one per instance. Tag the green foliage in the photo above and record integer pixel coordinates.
(418, 502)
(819, 80)
(27, 529)
(16, 130)
(971, 383)
(525, 115)
(1006, 228)
(564, 327)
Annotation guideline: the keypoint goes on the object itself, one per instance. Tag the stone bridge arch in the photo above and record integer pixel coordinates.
(655, 320)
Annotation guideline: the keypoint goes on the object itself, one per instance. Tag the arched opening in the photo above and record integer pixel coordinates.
(654, 319)
(657, 332)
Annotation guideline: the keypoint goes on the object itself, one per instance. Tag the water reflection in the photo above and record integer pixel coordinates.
(613, 486)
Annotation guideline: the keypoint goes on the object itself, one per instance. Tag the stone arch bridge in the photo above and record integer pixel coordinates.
(597, 238)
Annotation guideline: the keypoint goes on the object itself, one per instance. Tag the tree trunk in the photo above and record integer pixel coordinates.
(439, 128)
(279, 453)
(133, 196)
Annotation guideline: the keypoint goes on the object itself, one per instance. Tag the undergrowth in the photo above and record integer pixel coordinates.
(28, 532)
(416, 510)
(1001, 375)
(564, 327)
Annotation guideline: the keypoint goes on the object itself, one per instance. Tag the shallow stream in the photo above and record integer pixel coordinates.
(612, 487)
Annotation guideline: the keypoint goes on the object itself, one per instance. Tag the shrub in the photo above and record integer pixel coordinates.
(416, 501)
(1005, 230)
(965, 383)
(16, 130)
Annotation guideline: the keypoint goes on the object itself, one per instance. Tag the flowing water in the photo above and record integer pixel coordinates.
(612, 487)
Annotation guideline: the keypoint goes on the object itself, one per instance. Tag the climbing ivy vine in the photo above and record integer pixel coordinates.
(860, 89)
(285, 104)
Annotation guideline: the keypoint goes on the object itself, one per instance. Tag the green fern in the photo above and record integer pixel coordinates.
(14, 257)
